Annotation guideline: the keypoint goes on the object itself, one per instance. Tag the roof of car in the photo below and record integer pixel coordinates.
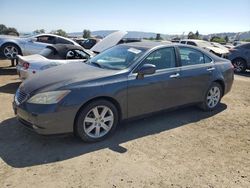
(148, 44)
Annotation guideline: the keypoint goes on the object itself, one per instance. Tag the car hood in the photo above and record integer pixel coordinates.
(217, 50)
(109, 41)
(59, 76)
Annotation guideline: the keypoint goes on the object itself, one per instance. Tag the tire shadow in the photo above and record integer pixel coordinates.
(10, 88)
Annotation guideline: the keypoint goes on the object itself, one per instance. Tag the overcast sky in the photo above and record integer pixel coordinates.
(162, 16)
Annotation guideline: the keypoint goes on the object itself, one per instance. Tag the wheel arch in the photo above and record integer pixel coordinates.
(107, 98)
(222, 84)
(13, 43)
(238, 57)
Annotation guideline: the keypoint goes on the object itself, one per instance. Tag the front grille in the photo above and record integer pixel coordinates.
(20, 97)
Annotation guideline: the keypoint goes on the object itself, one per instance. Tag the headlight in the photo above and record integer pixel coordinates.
(51, 97)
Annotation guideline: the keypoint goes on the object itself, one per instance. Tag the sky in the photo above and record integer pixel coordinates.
(160, 16)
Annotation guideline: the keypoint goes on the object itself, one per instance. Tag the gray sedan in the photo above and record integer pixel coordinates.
(122, 82)
(11, 46)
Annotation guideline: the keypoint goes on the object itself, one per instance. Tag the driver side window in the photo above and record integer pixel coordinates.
(162, 58)
(46, 39)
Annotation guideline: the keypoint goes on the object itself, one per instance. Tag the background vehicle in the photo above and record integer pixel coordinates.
(51, 56)
(207, 46)
(11, 46)
(222, 47)
(89, 43)
(240, 57)
(122, 82)
(29, 65)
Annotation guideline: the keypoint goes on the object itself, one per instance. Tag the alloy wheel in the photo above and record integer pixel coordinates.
(10, 52)
(213, 97)
(98, 121)
(238, 66)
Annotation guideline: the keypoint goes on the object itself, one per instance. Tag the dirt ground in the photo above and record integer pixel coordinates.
(183, 148)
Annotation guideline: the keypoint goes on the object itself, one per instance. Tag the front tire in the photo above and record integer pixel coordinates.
(96, 121)
(10, 51)
(212, 98)
(240, 65)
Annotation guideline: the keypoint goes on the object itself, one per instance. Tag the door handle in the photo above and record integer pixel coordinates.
(176, 75)
(210, 69)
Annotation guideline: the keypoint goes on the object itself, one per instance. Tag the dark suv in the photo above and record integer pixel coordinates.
(240, 57)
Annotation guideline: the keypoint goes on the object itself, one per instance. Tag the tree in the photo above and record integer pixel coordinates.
(158, 36)
(60, 32)
(2, 28)
(226, 38)
(8, 30)
(217, 39)
(11, 31)
(191, 35)
(86, 33)
(39, 31)
(197, 34)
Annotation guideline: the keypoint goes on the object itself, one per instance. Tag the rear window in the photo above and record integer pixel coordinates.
(63, 41)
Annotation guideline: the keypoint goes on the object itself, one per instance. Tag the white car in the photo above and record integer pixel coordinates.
(61, 54)
(207, 46)
(11, 46)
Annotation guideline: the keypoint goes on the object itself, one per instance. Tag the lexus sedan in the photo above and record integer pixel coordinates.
(125, 81)
(11, 46)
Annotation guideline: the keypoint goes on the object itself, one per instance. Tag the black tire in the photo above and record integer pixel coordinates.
(240, 65)
(18, 50)
(205, 104)
(80, 126)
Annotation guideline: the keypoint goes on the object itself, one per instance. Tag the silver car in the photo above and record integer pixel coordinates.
(51, 56)
(11, 46)
(55, 55)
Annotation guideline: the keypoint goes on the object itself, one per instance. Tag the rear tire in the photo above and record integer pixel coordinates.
(96, 121)
(212, 98)
(240, 65)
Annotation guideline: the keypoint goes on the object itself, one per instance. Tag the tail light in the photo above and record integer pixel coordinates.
(26, 65)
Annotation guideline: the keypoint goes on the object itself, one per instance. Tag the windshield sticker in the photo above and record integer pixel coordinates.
(133, 50)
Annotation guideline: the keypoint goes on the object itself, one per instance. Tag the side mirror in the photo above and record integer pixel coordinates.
(146, 69)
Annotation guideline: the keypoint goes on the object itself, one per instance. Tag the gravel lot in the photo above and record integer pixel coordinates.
(183, 148)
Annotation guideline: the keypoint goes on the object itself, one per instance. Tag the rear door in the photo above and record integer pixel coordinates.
(195, 75)
(157, 91)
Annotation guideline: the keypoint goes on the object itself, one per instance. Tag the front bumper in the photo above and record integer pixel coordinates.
(45, 119)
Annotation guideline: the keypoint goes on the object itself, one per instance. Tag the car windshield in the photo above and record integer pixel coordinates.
(118, 58)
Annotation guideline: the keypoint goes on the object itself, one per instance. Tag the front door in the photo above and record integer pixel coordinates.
(157, 91)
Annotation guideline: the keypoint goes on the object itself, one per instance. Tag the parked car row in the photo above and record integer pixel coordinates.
(238, 55)
(58, 54)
